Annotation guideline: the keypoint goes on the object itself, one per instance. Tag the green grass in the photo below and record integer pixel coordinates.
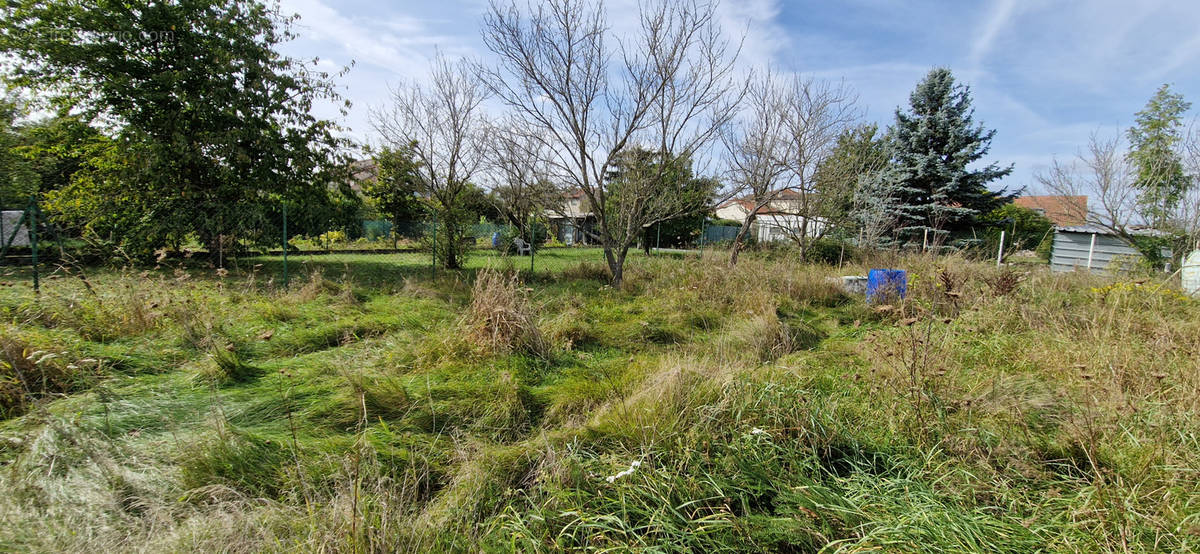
(383, 271)
(753, 408)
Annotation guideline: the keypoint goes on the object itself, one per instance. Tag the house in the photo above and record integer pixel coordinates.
(573, 221)
(362, 171)
(1096, 249)
(1064, 211)
(778, 220)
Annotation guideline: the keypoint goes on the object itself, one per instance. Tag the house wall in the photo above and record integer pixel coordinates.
(1071, 252)
(571, 231)
(733, 211)
(779, 227)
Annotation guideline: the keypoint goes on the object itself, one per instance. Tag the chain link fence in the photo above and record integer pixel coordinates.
(280, 245)
(718, 235)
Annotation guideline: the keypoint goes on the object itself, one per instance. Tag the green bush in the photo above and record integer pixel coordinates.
(828, 251)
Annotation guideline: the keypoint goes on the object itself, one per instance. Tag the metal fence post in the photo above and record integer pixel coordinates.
(285, 245)
(529, 235)
(33, 242)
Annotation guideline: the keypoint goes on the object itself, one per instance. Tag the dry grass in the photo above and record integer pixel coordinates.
(501, 318)
(990, 410)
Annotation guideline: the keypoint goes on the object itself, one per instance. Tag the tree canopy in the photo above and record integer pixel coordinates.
(1154, 143)
(860, 151)
(397, 184)
(212, 125)
(645, 172)
(934, 144)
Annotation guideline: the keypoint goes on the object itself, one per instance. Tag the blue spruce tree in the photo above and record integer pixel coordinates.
(933, 145)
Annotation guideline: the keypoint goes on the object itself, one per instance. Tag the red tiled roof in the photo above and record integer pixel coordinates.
(748, 205)
(1061, 210)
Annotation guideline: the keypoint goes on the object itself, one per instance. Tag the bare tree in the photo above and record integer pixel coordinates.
(1105, 177)
(791, 127)
(1189, 206)
(754, 147)
(590, 95)
(521, 183)
(816, 114)
(444, 125)
(875, 206)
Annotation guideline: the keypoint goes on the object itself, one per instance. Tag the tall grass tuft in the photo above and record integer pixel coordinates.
(28, 374)
(501, 317)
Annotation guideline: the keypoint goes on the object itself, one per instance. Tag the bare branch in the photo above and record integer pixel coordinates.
(591, 96)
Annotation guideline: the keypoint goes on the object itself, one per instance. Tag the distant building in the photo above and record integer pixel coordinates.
(1063, 211)
(362, 171)
(573, 221)
(1095, 249)
(779, 220)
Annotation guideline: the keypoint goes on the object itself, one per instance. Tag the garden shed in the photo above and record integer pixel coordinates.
(1095, 248)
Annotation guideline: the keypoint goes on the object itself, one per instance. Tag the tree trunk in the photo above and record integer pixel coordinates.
(803, 237)
(452, 245)
(615, 256)
(741, 237)
(616, 264)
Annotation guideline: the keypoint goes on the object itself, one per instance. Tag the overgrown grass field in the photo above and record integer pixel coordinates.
(372, 407)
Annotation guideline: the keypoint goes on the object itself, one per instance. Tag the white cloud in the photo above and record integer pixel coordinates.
(998, 18)
(1044, 74)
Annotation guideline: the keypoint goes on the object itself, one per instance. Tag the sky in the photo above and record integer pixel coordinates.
(1044, 74)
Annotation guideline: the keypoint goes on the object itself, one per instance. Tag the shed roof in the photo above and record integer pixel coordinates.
(1095, 229)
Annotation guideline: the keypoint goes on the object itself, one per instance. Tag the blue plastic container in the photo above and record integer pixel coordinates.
(885, 285)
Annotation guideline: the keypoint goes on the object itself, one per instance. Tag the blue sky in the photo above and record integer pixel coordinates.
(1044, 74)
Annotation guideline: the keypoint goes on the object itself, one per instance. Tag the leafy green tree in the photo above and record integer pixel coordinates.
(1024, 228)
(859, 151)
(479, 205)
(1154, 142)
(16, 177)
(638, 174)
(933, 143)
(212, 125)
(58, 147)
(397, 184)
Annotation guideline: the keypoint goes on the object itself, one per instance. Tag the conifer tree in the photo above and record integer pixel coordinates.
(934, 142)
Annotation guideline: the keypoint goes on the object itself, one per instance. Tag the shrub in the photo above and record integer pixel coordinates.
(828, 251)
